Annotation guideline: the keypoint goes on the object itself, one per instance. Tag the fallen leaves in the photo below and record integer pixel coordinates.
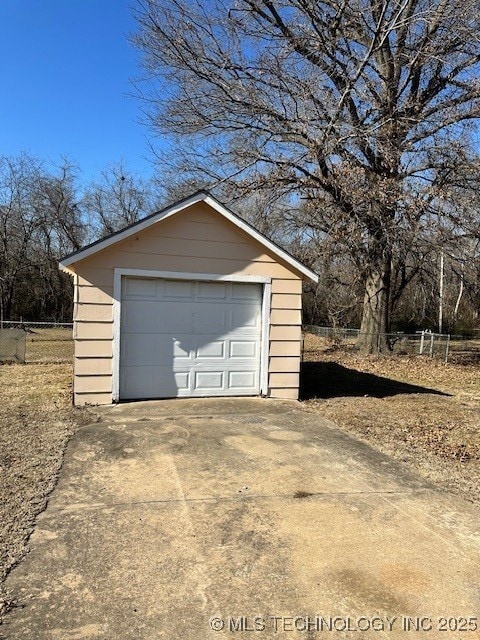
(438, 435)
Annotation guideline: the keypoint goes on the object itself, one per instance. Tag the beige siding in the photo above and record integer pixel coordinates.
(290, 393)
(281, 285)
(197, 240)
(283, 364)
(93, 384)
(182, 264)
(136, 259)
(93, 312)
(93, 366)
(94, 295)
(93, 330)
(284, 380)
(93, 349)
(100, 278)
(286, 317)
(286, 301)
(81, 399)
(194, 248)
(285, 333)
(286, 349)
(191, 230)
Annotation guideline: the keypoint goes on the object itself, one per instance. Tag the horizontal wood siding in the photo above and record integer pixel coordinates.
(93, 330)
(93, 384)
(281, 317)
(289, 393)
(93, 366)
(93, 348)
(282, 285)
(285, 339)
(93, 312)
(81, 399)
(94, 295)
(284, 380)
(286, 301)
(193, 264)
(285, 348)
(280, 364)
(197, 240)
(285, 333)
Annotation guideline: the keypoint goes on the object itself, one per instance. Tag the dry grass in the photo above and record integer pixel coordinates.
(36, 420)
(49, 345)
(418, 410)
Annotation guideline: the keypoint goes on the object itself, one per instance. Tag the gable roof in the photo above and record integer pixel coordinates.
(200, 196)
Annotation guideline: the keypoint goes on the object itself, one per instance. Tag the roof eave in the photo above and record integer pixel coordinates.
(201, 196)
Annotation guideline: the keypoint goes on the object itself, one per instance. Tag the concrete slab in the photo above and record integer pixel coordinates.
(173, 519)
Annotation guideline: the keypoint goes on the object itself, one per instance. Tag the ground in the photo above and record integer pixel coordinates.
(421, 411)
(174, 519)
(36, 420)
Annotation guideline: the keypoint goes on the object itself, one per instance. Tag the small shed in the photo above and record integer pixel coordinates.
(189, 302)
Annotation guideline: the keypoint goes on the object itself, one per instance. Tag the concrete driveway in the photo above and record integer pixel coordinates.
(208, 519)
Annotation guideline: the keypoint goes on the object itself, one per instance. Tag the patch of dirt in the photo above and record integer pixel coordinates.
(36, 421)
(421, 411)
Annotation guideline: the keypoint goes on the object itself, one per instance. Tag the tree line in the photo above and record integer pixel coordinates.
(46, 212)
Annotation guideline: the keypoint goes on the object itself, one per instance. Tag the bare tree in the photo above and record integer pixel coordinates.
(117, 199)
(364, 108)
(17, 224)
(40, 220)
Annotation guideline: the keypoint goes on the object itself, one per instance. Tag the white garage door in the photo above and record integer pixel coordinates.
(189, 338)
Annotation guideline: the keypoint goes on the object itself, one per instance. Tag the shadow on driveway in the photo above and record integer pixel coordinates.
(332, 380)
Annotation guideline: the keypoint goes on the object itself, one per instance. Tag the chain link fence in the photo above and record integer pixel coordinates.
(43, 342)
(29, 342)
(422, 343)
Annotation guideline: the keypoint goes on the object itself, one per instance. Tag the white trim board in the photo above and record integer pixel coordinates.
(202, 277)
(173, 210)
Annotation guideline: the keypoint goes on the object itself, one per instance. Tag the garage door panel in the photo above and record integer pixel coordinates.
(244, 316)
(174, 318)
(182, 339)
(146, 349)
(243, 349)
(181, 350)
(139, 316)
(209, 318)
(151, 381)
(182, 380)
(242, 379)
(177, 289)
(209, 380)
(149, 317)
(211, 290)
(214, 349)
(139, 288)
(246, 291)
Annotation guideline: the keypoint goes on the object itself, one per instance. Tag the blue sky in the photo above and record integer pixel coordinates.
(65, 67)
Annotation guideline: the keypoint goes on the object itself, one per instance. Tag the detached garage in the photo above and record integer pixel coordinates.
(189, 302)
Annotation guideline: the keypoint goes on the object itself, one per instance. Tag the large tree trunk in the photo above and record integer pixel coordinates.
(375, 320)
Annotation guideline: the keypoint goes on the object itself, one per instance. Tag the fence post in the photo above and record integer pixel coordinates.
(432, 338)
(422, 340)
(447, 348)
